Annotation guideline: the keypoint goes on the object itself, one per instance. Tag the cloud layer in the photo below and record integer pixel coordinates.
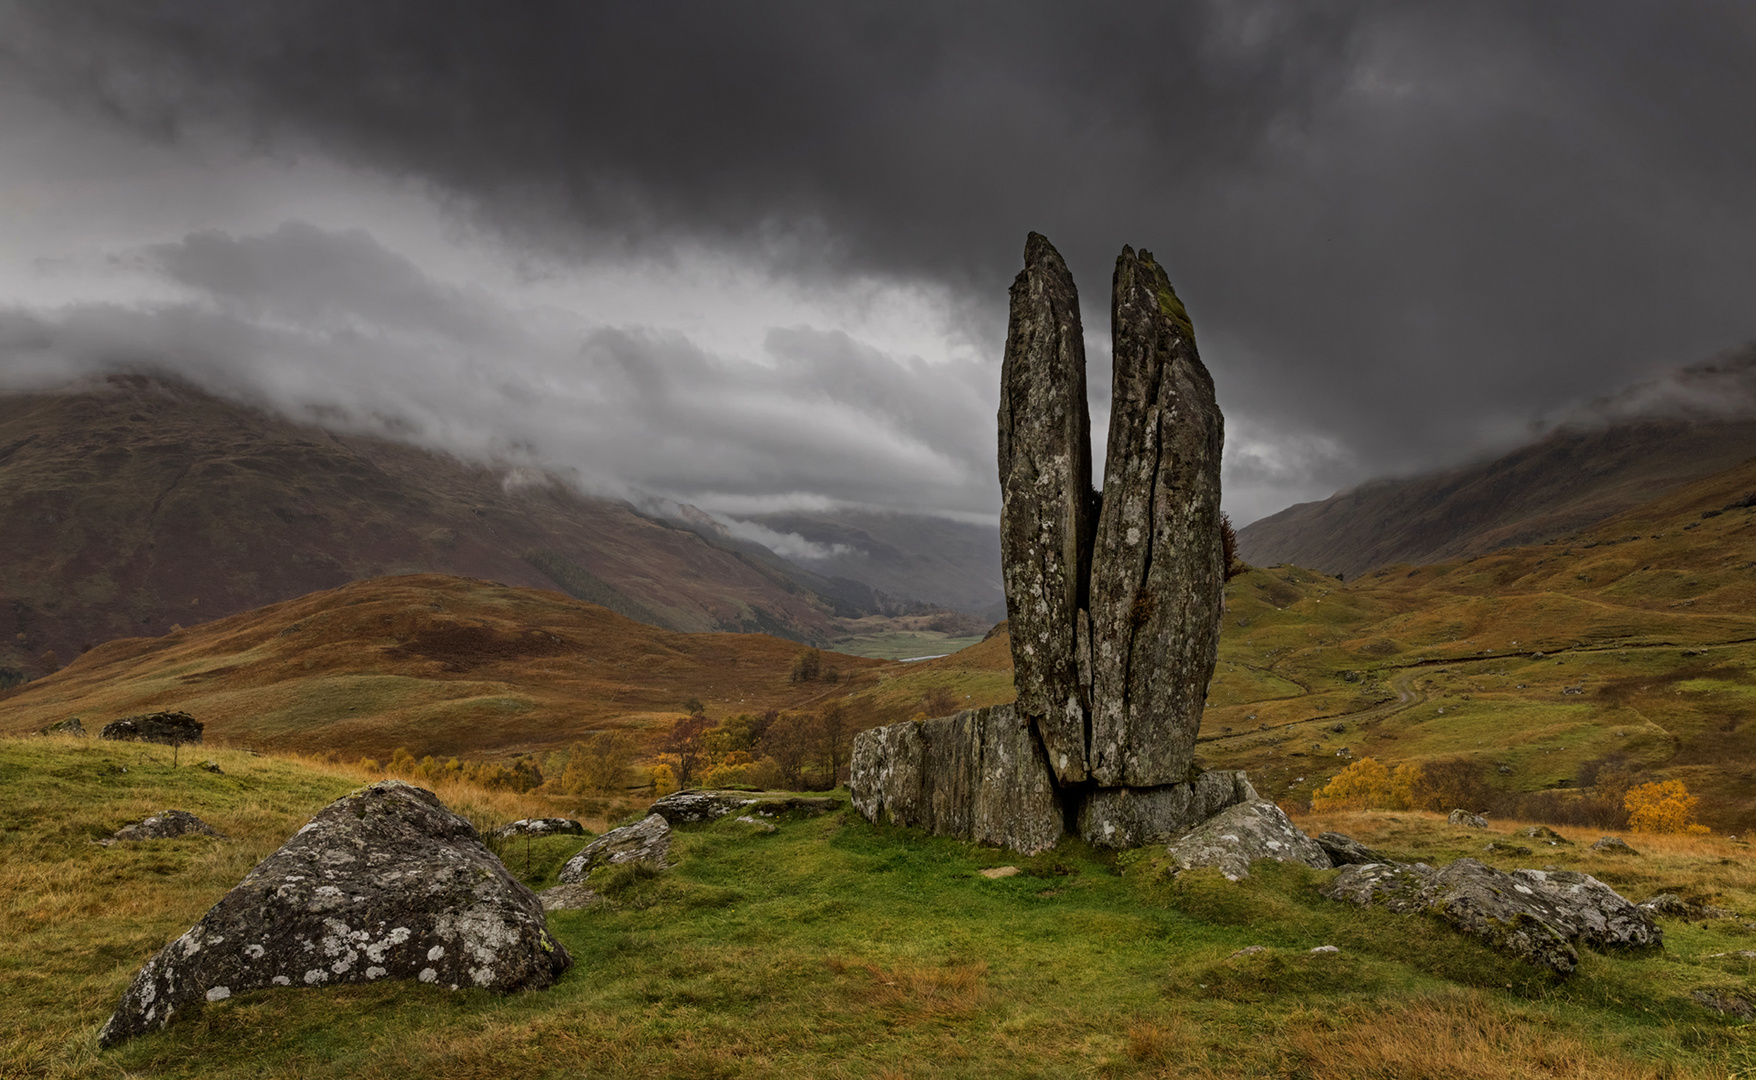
(1404, 230)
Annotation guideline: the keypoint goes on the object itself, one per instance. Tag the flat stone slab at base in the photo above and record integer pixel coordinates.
(385, 883)
(977, 775)
(1133, 817)
(647, 840)
(568, 897)
(689, 807)
(165, 825)
(1239, 835)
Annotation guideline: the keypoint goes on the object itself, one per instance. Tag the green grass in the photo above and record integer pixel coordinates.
(905, 644)
(828, 948)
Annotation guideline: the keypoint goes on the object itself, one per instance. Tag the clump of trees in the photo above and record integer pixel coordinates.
(785, 750)
(1664, 806)
(523, 774)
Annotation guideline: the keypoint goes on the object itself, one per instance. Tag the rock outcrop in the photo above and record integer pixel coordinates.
(1045, 507)
(1536, 916)
(1113, 602)
(1239, 835)
(1466, 819)
(1613, 845)
(979, 775)
(1157, 572)
(165, 825)
(1344, 850)
(69, 726)
(168, 728)
(646, 841)
(385, 883)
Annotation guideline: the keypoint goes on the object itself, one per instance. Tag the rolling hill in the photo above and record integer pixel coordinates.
(130, 505)
(1610, 457)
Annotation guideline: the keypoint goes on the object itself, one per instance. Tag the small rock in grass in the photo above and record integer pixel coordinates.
(542, 826)
(647, 841)
(1545, 834)
(167, 728)
(993, 872)
(1248, 950)
(1724, 1001)
(568, 897)
(1500, 847)
(1324, 949)
(212, 767)
(165, 825)
(1613, 845)
(1670, 905)
(1465, 818)
(69, 726)
(756, 823)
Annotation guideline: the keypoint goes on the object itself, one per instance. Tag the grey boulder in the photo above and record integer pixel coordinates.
(1535, 916)
(1239, 835)
(1344, 850)
(646, 841)
(1613, 845)
(385, 883)
(164, 825)
(1671, 906)
(69, 726)
(977, 775)
(1467, 819)
(1132, 817)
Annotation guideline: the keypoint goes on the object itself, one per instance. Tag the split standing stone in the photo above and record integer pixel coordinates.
(1045, 486)
(1157, 571)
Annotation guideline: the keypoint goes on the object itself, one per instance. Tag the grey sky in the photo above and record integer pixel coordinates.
(756, 255)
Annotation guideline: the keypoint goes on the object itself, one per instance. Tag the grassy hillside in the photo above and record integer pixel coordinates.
(439, 665)
(834, 948)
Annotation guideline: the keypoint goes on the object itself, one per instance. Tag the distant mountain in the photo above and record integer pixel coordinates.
(906, 556)
(129, 505)
(1611, 456)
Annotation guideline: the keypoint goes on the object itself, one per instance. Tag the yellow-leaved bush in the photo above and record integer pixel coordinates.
(1664, 806)
(1369, 784)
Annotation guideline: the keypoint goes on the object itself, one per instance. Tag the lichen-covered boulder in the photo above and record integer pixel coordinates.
(1344, 850)
(167, 728)
(1157, 568)
(1045, 507)
(1239, 835)
(1613, 845)
(385, 883)
(1595, 913)
(1467, 819)
(69, 726)
(164, 825)
(1544, 834)
(542, 826)
(1536, 916)
(1671, 906)
(1132, 817)
(978, 775)
(690, 807)
(647, 841)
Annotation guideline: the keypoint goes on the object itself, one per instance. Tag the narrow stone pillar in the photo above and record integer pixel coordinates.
(1045, 485)
(1157, 573)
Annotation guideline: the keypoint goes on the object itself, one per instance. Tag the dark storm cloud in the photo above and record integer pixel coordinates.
(1403, 229)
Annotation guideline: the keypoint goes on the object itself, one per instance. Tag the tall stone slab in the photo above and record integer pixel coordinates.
(977, 775)
(1045, 484)
(1157, 572)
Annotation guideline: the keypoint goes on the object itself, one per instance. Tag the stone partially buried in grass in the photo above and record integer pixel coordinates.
(164, 825)
(1239, 835)
(646, 841)
(385, 883)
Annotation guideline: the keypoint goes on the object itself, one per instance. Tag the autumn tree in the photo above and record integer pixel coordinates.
(835, 736)
(807, 665)
(685, 741)
(788, 742)
(1664, 806)
(1369, 784)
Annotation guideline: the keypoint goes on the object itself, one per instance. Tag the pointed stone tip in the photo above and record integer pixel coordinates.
(1037, 248)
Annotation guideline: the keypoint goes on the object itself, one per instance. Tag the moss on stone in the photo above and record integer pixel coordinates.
(1168, 303)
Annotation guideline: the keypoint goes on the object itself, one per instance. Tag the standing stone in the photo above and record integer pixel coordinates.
(385, 883)
(1045, 511)
(1157, 572)
(977, 775)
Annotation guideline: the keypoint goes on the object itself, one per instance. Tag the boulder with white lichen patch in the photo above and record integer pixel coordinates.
(385, 883)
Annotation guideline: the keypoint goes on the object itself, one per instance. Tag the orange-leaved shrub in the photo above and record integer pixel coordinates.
(1664, 806)
(1369, 784)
